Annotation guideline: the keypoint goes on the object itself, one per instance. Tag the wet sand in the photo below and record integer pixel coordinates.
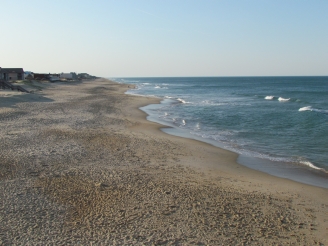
(80, 164)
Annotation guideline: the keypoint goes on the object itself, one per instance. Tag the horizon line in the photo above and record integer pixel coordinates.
(231, 76)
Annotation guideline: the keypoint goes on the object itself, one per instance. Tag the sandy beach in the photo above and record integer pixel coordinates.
(80, 164)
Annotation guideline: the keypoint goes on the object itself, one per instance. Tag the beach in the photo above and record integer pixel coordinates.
(80, 164)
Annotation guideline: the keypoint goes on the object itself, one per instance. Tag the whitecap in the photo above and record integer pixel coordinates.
(281, 99)
(269, 97)
(309, 164)
(181, 100)
(307, 108)
(183, 122)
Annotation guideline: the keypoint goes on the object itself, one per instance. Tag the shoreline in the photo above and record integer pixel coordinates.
(290, 171)
(89, 167)
(293, 171)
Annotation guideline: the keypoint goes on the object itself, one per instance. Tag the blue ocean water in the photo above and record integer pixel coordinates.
(279, 120)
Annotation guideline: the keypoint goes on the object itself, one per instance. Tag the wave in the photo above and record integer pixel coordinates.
(160, 87)
(182, 101)
(269, 97)
(309, 108)
(309, 164)
(183, 122)
(281, 99)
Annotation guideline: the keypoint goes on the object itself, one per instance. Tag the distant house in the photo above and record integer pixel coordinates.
(83, 75)
(11, 74)
(54, 77)
(41, 76)
(74, 75)
(66, 76)
(28, 75)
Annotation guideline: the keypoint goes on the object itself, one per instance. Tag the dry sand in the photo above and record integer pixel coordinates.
(79, 164)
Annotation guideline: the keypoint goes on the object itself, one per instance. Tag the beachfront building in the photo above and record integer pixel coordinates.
(68, 76)
(54, 77)
(28, 75)
(41, 76)
(11, 74)
(85, 76)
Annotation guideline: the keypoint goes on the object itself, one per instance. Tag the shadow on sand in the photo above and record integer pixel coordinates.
(9, 98)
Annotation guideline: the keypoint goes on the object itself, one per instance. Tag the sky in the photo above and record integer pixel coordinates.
(158, 38)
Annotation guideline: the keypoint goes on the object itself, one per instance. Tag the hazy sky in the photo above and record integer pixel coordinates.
(166, 37)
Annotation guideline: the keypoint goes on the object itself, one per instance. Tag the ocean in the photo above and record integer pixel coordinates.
(277, 125)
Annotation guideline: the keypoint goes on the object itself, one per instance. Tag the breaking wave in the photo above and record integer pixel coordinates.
(181, 100)
(309, 108)
(281, 99)
(309, 164)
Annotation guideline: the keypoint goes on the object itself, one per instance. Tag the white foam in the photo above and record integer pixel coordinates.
(309, 164)
(269, 97)
(307, 108)
(157, 87)
(281, 99)
(181, 100)
(183, 122)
